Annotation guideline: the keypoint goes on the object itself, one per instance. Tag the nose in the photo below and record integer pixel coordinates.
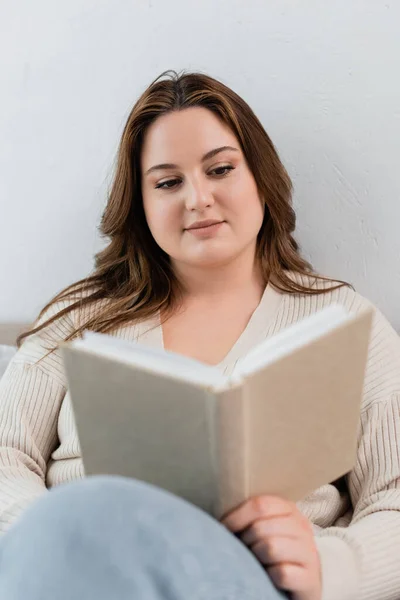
(199, 196)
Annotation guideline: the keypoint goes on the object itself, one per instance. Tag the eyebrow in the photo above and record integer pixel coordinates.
(207, 156)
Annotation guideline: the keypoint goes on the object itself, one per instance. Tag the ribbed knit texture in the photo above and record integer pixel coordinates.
(357, 525)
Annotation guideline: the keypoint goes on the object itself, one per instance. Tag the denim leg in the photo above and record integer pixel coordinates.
(112, 538)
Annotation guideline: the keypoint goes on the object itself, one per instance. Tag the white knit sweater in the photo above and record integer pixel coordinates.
(357, 527)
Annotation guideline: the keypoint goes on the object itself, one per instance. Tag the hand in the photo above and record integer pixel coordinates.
(283, 540)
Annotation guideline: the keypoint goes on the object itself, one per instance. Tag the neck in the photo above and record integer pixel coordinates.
(221, 281)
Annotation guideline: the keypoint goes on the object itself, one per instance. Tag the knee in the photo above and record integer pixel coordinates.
(106, 504)
(110, 515)
(91, 502)
(95, 529)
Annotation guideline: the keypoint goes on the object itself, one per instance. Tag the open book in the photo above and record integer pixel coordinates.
(284, 422)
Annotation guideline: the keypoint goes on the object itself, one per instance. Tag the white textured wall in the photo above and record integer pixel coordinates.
(322, 76)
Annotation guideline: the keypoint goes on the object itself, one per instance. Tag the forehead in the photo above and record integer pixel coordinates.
(184, 135)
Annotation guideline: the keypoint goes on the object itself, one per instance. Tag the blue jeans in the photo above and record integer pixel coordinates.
(111, 538)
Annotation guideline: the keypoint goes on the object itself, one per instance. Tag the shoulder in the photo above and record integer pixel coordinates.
(41, 349)
(57, 321)
(322, 294)
(382, 378)
(324, 291)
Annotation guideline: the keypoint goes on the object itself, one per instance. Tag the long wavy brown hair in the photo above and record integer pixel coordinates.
(132, 273)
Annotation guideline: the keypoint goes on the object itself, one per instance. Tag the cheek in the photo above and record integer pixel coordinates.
(162, 218)
(245, 203)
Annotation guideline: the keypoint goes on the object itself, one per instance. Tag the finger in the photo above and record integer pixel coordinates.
(290, 578)
(259, 507)
(265, 528)
(277, 550)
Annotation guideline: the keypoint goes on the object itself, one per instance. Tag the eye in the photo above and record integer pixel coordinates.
(167, 185)
(222, 170)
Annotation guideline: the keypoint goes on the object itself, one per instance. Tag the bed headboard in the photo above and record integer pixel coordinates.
(10, 331)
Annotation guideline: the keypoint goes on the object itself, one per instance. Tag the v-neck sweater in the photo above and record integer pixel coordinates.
(356, 521)
(254, 332)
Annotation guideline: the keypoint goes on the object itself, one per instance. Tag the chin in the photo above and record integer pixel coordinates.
(211, 259)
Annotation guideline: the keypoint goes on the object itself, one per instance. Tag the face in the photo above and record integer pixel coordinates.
(194, 173)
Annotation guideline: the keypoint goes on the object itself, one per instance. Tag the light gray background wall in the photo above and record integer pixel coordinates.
(322, 76)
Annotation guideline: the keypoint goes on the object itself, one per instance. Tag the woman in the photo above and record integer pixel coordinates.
(201, 260)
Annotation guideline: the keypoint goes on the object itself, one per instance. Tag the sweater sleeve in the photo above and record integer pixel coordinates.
(362, 561)
(31, 392)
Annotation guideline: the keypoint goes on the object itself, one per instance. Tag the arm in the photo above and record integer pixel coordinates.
(31, 394)
(362, 561)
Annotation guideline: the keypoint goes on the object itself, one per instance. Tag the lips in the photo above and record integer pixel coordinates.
(204, 224)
